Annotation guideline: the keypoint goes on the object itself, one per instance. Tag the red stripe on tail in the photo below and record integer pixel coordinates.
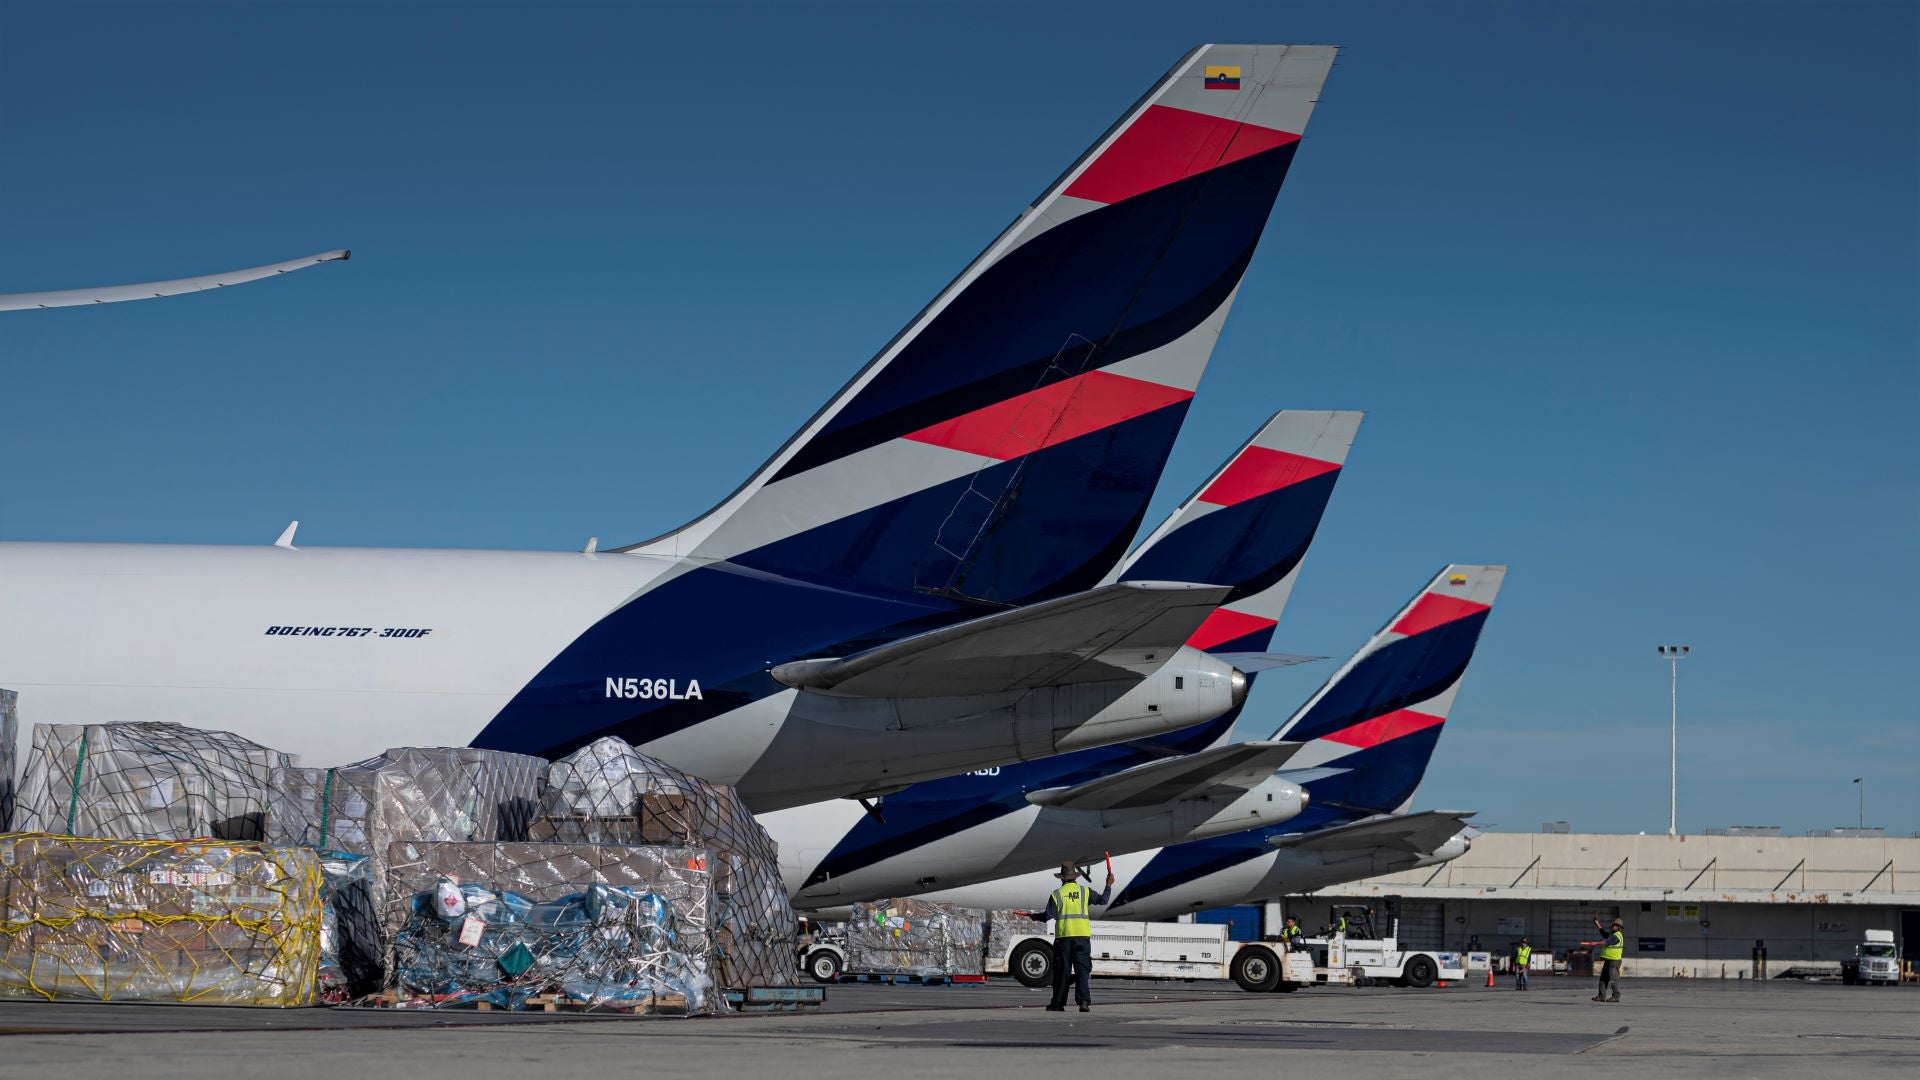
(1258, 471)
(1433, 609)
(1381, 729)
(1224, 625)
(1164, 145)
(1052, 414)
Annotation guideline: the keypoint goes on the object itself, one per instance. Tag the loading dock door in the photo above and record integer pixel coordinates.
(1423, 924)
(1569, 926)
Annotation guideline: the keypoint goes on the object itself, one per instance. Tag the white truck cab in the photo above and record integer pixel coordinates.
(1874, 960)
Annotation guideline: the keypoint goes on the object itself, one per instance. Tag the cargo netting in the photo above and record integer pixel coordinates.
(608, 792)
(9, 744)
(352, 951)
(921, 938)
(145, 781)
(409, 793)
(581, 926)
(198, 922)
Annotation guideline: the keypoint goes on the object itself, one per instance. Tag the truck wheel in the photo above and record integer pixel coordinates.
(1256, 969)
(1421, 972)
(824, 966)
(1033, 964)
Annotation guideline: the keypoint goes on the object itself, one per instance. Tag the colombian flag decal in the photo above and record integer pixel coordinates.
(1457, 579)
(1223, 78)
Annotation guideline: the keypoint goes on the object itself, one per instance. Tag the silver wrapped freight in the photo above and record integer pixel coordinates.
(608, 792)
(9, 746)
(520, 925)
(145, 781)
(921, 938)
(410, 793)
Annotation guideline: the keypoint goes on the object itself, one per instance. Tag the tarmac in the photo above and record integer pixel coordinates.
(1137, 1029)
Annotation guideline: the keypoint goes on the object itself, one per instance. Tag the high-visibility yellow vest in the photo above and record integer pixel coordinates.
(1615, 947)
(1523, 956)
(1290, 932)
(1070, 907)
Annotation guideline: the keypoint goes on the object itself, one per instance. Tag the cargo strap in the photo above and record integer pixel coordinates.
(73, 801)
(326, 808)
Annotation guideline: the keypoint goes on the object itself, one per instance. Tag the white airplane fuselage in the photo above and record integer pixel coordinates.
(336, 654)
(827, 858)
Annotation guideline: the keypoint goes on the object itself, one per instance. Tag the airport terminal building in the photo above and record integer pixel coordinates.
(1693, 906)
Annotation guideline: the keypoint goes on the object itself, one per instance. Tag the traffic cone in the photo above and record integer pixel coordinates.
(1489, 978)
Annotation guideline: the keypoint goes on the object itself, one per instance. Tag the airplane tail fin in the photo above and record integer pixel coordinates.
(1003, 446)
(1372, 728)
(1249, 526)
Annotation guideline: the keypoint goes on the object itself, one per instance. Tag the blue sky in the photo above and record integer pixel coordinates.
(1628, 291)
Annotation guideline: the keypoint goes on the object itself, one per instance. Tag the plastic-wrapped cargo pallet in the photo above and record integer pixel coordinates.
(352, 952)
(608, 792)
(9, 741)
(1004, 928)
(199, 922)
(913, 937)
(410, 793)
(145, 781)
(518, 925)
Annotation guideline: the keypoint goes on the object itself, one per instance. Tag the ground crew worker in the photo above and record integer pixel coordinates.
(1612, 948)
(1070, 908)
(1522, 958)
(1291, 934)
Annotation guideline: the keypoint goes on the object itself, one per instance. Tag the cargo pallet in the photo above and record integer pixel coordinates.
(663, 1005)
(777, 998)
(916, 980)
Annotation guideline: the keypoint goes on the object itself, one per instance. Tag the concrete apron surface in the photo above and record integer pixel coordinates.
(1137, 1029)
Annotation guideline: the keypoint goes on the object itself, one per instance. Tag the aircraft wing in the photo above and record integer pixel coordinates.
(1416, 834)
(1119, 631)
(1239, 766)
(109, 294)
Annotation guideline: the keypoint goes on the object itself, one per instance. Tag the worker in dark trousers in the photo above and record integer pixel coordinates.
(1522, 959)
(1610, 949)
(1070, 907)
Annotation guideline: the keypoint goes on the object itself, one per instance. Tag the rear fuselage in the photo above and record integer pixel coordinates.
(335, 654)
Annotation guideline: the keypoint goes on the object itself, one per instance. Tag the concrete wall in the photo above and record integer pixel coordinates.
(1807, 898)
(1839, 869)
(1810, 935)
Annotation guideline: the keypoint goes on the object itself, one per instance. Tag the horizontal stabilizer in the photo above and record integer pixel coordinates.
(1416, 834)
(1121, 631)
(1239, 766)
(1251, 662)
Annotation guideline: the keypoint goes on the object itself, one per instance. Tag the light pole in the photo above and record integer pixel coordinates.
(1862, 781)
(1673, 654)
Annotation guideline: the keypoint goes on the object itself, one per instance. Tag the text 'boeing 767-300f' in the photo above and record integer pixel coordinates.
(908, 589)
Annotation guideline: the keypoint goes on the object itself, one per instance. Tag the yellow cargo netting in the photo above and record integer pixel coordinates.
(198, 921)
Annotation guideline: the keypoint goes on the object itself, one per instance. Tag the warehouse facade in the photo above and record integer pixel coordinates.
(1693, 906)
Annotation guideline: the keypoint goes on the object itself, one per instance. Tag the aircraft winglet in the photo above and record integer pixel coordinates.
(109, 294)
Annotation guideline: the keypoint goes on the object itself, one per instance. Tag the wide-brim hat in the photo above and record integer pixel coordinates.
(1067, 872)
(1618, 923)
